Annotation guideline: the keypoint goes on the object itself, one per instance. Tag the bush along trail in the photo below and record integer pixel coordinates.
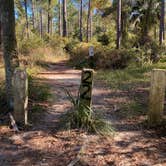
(48, 142)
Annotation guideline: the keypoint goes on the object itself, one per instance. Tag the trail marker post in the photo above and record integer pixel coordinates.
(91, 56)
(86, 87)
(20, 90)
(157, 96)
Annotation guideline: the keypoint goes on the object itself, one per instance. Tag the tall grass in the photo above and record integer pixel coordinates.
(83, 117)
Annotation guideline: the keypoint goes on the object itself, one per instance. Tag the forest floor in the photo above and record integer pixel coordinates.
(45, 145)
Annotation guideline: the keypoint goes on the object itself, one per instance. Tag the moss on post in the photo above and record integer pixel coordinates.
(20, 90)
(86, 87)
(157, 96)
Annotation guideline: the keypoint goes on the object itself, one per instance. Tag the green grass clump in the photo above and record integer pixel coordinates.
(83, 117)
(38, 92)
(125, 79)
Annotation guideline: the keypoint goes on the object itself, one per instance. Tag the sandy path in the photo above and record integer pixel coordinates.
(44, 145)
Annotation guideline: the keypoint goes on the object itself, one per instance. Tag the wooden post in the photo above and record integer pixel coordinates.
(86, 87)
(20, 89)
(157, 96)
(91, 57)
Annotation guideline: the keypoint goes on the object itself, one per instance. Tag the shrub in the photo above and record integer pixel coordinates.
(25, 46)
(38, 92)
(82, 117)
(104, 39)
(104, 57)
(116, 59)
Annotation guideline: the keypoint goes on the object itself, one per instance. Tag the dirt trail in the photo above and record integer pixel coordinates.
(44, 145)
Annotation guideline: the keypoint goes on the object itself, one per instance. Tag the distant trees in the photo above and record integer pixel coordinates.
(0, 33)
(64, 13)
(60, 18)
(119, 24)
(79, 18)
(49, 17)
(9, 46)
(162, 22)
(80, 21)
(89, 26)
(26, 16)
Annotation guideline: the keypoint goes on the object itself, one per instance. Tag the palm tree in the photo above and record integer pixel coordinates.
(9, 46)
(145, 15)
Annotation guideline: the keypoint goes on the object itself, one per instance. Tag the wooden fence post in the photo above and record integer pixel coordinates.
(20, 90)
(157, 96)
(86, 87)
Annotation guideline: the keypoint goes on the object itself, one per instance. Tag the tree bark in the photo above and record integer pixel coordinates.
(33, 14)
(162, 22)
(146, 23)
(0, 33)
(80, 22)
(65, 30)
(60, 18)
(9, 46)
(119, 29)
(49, 17)
(41, 22)
(26, 16)
(88, 21)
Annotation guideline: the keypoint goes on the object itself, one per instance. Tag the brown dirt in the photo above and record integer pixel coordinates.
(45, 145)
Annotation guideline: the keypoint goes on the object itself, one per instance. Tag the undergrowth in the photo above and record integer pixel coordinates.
(83, 117)
(130, 87)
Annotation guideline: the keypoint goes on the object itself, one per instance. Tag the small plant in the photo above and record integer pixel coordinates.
(83, 117)
(38, 92)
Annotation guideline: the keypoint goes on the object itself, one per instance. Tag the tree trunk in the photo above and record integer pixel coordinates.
(26, 16)
(91, 25)
(49, 17)
(60, 18)
(119, 31)
(146, 23)
(88, 21)
(80, 18)
(65, 31)
(162, 21)
(41, 22)
(9, 46)
(0, 34)
(33, 14)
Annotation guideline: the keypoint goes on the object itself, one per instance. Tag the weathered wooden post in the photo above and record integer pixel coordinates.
(86, 87)
(157, 96)
(20, 89)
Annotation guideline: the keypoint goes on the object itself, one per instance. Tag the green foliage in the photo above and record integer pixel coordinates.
(57, 42)
(104, 57)
(148, 53)
(38, 92)
(104, 39)
(27, 45)
(70, 45)
(83, 117)
(125, 79)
